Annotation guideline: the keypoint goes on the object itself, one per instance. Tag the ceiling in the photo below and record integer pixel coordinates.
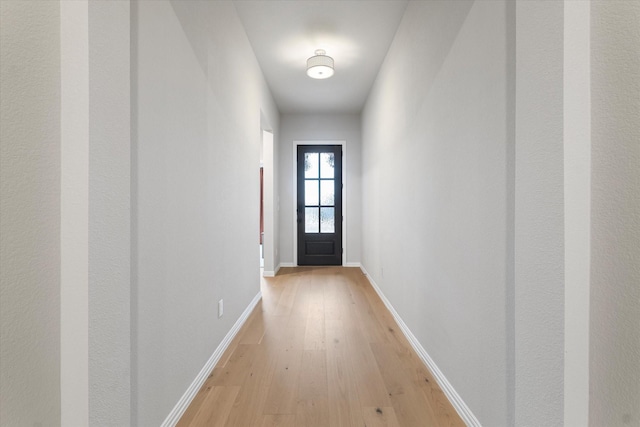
(356, 33)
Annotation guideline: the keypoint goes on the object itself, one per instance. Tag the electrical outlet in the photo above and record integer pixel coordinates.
(220, 308)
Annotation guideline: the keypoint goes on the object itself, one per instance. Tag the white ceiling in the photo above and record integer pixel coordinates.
(356, 33)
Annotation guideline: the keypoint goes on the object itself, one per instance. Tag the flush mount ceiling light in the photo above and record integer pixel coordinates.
(320, 66)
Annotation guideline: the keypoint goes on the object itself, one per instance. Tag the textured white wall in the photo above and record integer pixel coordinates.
(197, 94)
(577, 209)
(29, 213)
(615, 214)
(436, 234)
(539, 215)
(109, 214)
(321, 127)
(74, 209)
(67, 156)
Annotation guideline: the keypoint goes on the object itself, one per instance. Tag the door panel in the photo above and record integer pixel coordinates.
(319, 204)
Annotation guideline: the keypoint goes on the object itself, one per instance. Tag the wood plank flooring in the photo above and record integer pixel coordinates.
(320, 349)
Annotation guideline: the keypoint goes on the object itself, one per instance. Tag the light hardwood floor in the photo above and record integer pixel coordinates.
(320, 349)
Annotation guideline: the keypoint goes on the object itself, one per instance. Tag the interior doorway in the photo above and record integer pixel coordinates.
(261, 237)
(268, 246)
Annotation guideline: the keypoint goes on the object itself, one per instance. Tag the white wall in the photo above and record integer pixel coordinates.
(321, 127)
(65, 213)
(74, 210)
(615, 214)
(30, 213)
(109, 215)
(437, 142)
(577, 210)
(198, 95)
(539, 215)
(559, 190)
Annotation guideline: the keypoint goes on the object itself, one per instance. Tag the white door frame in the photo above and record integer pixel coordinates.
(344, 195)
(268, 242)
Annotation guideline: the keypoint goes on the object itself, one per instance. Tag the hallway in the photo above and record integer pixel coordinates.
(320, 349)
(490, 195)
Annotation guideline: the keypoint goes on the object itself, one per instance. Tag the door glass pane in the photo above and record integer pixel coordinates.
(327, 220)
(326, 192)
(311, 165)
(311, 192)
(311, 220)
(326, 165)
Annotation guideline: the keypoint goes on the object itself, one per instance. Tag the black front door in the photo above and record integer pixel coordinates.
(319, 205)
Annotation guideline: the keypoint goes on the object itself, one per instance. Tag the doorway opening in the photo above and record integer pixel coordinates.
(268, 247)
(261, 214)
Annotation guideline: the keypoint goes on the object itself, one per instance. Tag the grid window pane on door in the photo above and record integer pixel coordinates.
(320, 188)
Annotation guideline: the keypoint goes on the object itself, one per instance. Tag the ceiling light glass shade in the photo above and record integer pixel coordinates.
(320, 66)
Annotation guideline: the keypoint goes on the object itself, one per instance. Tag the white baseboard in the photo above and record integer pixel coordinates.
(463, 410)
(267, 273)
(290, 264)
(184, 402)
(273, 273)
